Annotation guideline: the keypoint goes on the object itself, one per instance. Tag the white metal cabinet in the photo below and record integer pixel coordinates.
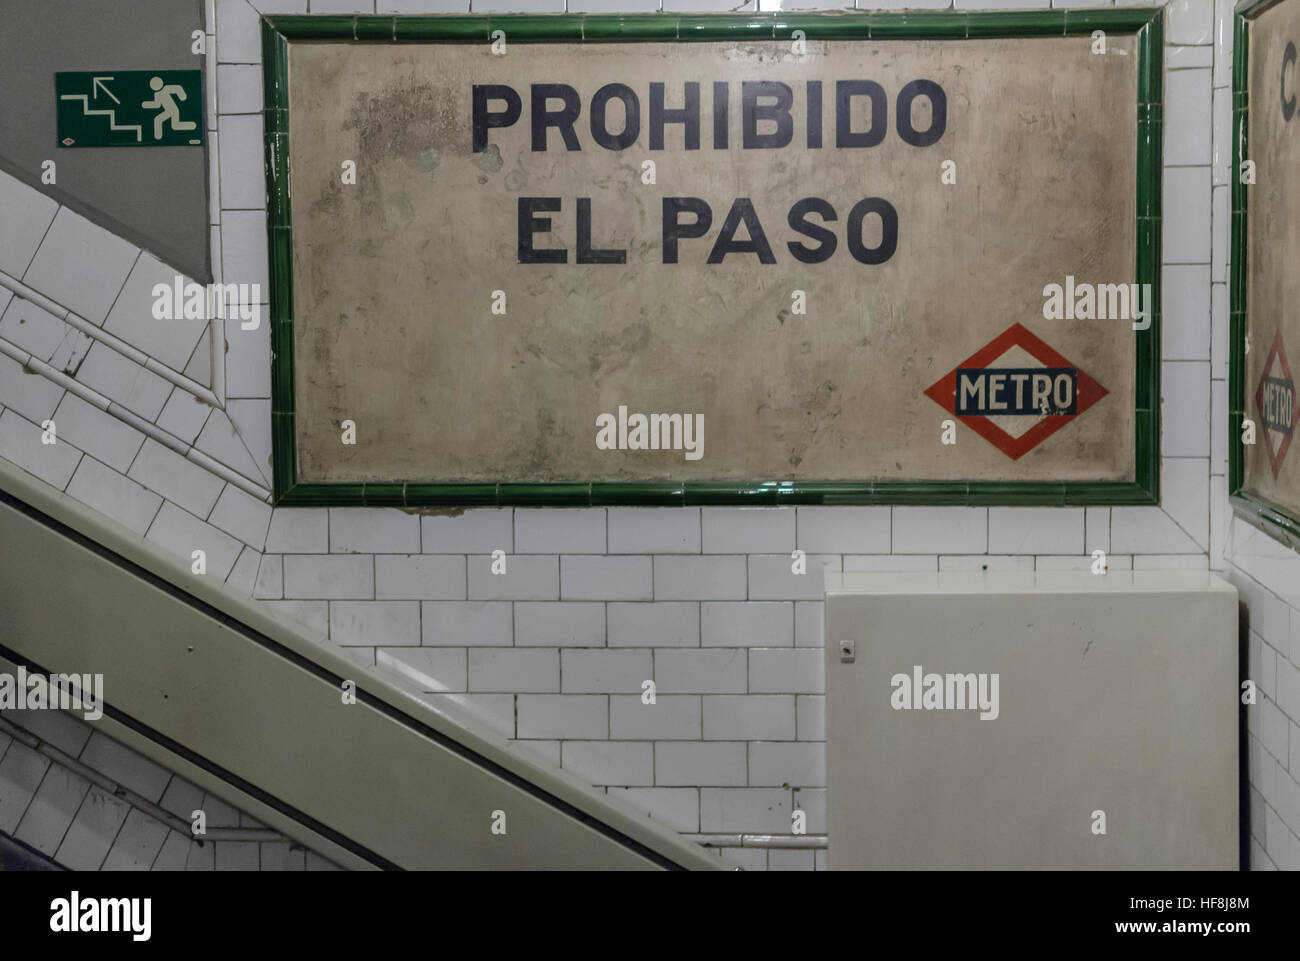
(1116, 693)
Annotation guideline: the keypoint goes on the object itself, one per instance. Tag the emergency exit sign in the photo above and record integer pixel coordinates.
(129, 108)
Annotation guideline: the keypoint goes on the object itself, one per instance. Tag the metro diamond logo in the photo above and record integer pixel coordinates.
(1016, 391)
(1275, 400)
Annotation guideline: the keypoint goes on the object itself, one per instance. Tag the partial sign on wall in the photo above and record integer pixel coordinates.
(1265, 291)
(830, 259)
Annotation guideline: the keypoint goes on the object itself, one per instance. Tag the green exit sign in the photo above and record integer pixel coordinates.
(130, 108)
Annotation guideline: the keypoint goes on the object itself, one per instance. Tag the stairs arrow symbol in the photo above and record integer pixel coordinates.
(97, 84)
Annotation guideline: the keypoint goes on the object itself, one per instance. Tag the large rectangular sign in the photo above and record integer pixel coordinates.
(1265, 294)
(818, 259)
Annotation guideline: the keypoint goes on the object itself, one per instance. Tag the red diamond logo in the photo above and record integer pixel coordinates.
(68, 141)
(1015, 391)
(1275, 401)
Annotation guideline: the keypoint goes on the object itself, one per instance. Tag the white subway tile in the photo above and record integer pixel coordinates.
(437, 669)
(52, 809)
(656, 624)
(1185, 312)
(604, 672)
(891, 562)
(184, 415)
(374, 623)
(1081, 562)
(940, 530)
(549, 530)
(108, 492)
(121, 764)
(28, 214)
(27, 393)
(559, 624)
(1185, 409)
(747, 530)
(654, 530)
(528, 577)
(801, 764)
(843, 530)
(771, 576)
(313, 615)
(242, 515)
(1186, 211)
(80, 265)
(1185, 497)
(467, 623)
(804, 859)
(672, 717)
(1222, 172)
(64, 731)
(623, 763)
(342, 6)
(720, 671)
(298, 530)
(690, 764)
(810, 716)
(121, 379)
(20, 442)
(270, 578)
(744, 717)
(180, 534)
(1035, 530)
(809, 624)
(137, 844)
(248, 359)
(497, 711)
(227, 445)
(746, 623)
(605, 577)
(745, 810)
(786, 671)
(177, 479)
(170, 341)
(418, 576)
(373, 530)
(518, 6)
(311, 576)
(677, 808)
(1187, 116)
(422, 6)
(21, 773)
(42, 334)
(1190, 21)
(505, 669)
(238, 31)
(1096, 529)
(243, 242)
(1185, 58)
(700, 578)
(1218, 427)
(1220, 199)
(239, 88)
(1223, 30)
(480, 531)
(561, 715)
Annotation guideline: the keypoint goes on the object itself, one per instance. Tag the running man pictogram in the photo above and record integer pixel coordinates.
(170, 109)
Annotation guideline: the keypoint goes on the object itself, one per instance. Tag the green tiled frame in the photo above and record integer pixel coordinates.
(1263, 513)
(1144, 22)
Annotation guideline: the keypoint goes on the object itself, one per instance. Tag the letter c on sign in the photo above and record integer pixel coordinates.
(1288, 105)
